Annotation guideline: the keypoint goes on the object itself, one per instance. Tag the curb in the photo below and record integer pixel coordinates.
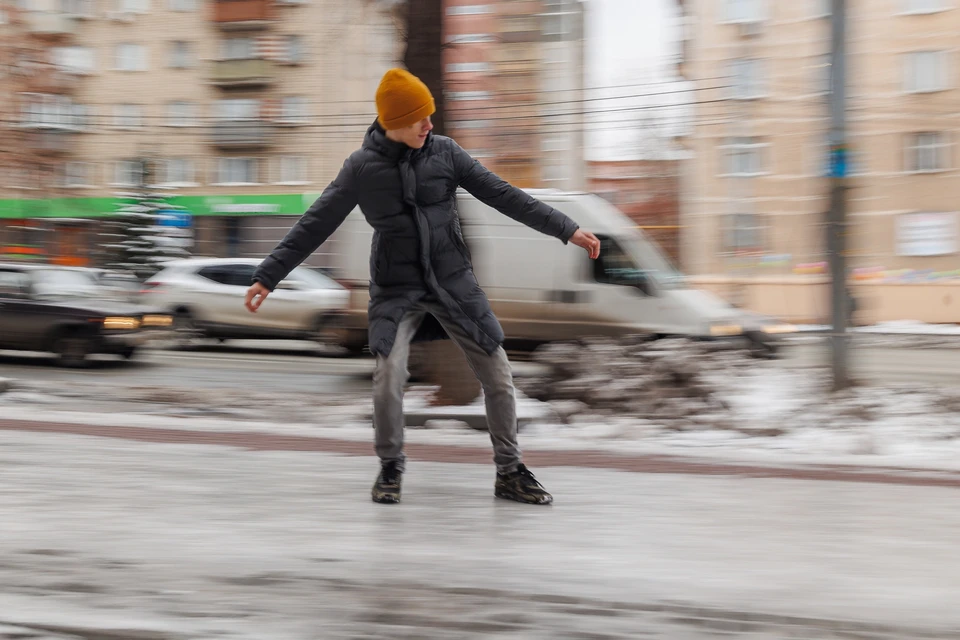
(642, 463)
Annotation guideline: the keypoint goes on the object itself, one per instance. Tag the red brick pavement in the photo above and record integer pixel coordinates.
(633, 463)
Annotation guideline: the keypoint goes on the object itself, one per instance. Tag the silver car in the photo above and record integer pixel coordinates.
(206, 296)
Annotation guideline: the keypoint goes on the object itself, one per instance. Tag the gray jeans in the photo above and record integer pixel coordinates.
(493, 372)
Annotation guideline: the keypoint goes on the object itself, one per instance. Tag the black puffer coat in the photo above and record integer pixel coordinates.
(408, 197)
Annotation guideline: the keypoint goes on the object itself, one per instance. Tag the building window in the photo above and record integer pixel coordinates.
(127, 116)
(470, 38)
(56, 111)
(79, 60)
(238, 171)
(928, 152)
(557, 18)
(923, 6)
(469, 10)
(78, 174)
(468, 67)
(471, 124)
(823, 72)
(744, 156)
(130, 57)
(742, 232)
(469, 95)
(133, 6)
(238, 49)
(128, 173)
(180, 56)
(293, 110)
(554, 173)
(742, 11)
(926, 71)
(746, 79)
(78, 8)
(292, 169)
(181, 114)
(178, 171)
(238, 109)
(182, 5)
(234, 234)
(293, 49)
(555, 143)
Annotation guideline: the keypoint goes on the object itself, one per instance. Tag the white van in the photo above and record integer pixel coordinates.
(542, 290)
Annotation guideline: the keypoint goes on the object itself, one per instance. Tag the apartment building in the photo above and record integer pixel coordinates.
(244, 109)
(754, 196)
(514, 71)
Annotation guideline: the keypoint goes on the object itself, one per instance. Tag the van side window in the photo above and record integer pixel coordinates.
(615, 266)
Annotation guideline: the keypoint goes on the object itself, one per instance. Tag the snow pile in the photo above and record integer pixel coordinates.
(681, 397)
(663, 381)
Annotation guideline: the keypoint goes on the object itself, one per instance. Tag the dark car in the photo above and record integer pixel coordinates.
(67, 312)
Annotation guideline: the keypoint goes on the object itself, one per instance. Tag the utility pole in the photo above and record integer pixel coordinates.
(836, 219)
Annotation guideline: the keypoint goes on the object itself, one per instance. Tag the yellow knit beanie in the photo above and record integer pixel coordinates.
(402, 100)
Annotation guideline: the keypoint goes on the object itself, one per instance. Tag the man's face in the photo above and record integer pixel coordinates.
(414, 136)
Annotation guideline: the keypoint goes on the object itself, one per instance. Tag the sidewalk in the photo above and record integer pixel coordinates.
(186, 541)
(479, 452)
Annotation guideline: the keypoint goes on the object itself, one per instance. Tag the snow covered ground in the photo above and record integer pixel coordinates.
(909, 334)
(769, 414)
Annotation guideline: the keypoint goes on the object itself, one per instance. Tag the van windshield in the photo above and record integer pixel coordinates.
(653, 263)
(630, 261)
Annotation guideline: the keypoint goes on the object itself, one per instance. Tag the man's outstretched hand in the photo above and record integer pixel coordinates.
(588, 241)
(256, 294)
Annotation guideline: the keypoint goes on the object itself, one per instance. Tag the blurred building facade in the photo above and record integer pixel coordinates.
(244, 108)
(754, 194)
(514, 72)
(647, 191)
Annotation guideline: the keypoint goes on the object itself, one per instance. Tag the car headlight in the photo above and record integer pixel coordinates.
(775, 329)
(158, 321)
(121, 323)
(725, 330)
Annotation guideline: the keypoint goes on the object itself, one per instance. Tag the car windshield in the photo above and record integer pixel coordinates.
(61, 283)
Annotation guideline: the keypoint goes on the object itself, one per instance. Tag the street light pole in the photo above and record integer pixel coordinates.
(836, 219)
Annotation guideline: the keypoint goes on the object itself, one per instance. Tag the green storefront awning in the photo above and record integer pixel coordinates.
(285, 205)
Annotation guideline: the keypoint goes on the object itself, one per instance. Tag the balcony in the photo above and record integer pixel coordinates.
(243, 134)
(50, 24)
(238, 15)
(255, 72)
(53, 81)
(51, 142)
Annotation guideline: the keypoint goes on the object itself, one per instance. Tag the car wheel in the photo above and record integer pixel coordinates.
(326, 332)
(73, 348)
(185, 328)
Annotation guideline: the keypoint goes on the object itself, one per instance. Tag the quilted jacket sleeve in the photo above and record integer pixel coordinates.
(492, 190)
(316, 225)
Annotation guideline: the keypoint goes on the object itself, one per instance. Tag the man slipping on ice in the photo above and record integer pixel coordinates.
(422, 286)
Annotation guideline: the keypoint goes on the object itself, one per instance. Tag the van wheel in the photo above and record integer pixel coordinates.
(73, 348)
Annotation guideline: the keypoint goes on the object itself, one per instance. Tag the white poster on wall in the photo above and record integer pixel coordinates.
(927, 234)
